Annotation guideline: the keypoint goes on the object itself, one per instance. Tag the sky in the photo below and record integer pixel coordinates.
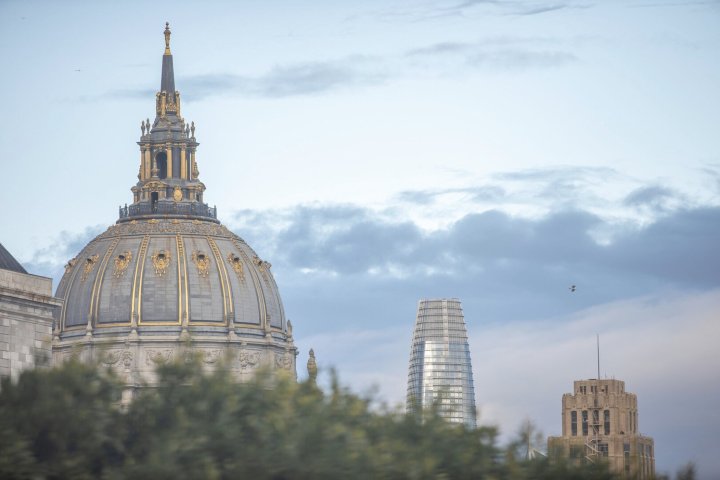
(380, 152)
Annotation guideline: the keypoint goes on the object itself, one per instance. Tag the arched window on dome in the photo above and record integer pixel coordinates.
(161, 162)
(153, 201)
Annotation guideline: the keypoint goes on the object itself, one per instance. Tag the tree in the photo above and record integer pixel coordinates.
(66, 423)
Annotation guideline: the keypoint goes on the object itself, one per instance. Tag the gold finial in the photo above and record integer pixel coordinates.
(167, 38)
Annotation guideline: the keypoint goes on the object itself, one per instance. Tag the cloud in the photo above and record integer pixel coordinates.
(654, 198)
(368, 266)
(468, 8)
(306, 78)
(312, 78)
(498, 53)
(482, 193)
(514, 59)
(49, 261)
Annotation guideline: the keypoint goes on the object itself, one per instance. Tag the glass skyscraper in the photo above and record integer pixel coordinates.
(440, 370)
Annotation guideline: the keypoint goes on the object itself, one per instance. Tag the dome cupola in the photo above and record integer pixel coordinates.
(168, 183)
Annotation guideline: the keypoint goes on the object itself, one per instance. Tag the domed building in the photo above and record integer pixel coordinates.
(168, 280)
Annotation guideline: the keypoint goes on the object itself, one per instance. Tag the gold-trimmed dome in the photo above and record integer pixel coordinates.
(169, 272)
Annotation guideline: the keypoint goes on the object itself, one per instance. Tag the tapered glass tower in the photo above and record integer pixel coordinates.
(440, 368)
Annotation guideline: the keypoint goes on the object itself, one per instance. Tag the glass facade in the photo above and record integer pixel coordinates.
(440, 372)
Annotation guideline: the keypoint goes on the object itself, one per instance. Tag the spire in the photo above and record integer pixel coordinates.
(167, 83)
(168, 183)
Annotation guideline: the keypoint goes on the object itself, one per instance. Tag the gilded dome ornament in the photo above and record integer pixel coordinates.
(121, 263)
(236, 265)
(177, 194)
(161, 261)
(88, 266)
(202, 262)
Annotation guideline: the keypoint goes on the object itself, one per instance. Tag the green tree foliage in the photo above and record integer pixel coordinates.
(67, 423)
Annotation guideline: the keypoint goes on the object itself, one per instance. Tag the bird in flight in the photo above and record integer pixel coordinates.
(571, 288)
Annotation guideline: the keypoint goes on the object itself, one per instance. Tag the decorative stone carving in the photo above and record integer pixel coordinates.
(177, 194)
(127, 359)
(161, 261)
(202, 262)
(88, 266)
(249, 359)
(283, 360)
(172, 226)
(111, 357)
(158, 357)
(208, 356)
(121, 263)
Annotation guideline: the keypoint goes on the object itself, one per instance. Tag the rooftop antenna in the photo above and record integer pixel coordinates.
(597, 337)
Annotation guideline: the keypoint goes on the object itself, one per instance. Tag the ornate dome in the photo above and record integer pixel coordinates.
(168, 278)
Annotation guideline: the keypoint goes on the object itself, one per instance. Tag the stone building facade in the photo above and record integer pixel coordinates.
(26, 316)
(600, 423)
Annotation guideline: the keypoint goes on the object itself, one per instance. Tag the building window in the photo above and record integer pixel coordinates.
(633, 425)
(596, 422)
(585, 423)
(607, 421)
(603, 449)
(161, 164)
(573, 423)
(626, 456)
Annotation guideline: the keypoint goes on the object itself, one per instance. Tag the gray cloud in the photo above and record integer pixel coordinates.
(289, 80)
(487, 258)
(514, 59)
(560, 173)
(651, 196)
(49, 261)
(483, 193)
(433, 10)
(498, 53)
(311, 78)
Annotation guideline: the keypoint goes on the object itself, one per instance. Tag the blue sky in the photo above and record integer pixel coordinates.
(378, 152)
